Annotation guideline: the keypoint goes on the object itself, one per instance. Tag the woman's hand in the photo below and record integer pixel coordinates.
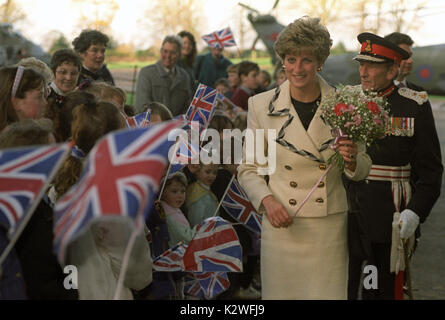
(348, 150)
(276, 212)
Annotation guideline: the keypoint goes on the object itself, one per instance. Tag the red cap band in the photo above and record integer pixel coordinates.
(381, 51)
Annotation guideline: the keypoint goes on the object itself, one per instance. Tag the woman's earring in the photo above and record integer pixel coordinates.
(319, 69)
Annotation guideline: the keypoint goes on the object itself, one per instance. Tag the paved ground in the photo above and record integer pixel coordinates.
(428, 265)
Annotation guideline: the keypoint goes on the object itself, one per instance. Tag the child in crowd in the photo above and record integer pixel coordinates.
(280, 78)
(233, 79)
(172, 199)
(247, 72)
(31, 269)
(220, 122)
(158, 112)
(129, 110)
(240, 121)
(22, 95)
(168, 227)
(222, 85)
(201, 203)
(263, 80)
(240, 282)
(99, 252)
(104, 91)
(40, 67)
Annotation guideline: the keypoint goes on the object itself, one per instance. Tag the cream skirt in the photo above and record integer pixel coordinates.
(308, 260)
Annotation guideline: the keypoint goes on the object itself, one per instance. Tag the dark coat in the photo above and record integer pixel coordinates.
(208, 70)
(371, 201)
(42, 273)
(102, 74)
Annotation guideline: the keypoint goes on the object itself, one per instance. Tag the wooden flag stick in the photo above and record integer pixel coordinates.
(124, 266)
(239, 51)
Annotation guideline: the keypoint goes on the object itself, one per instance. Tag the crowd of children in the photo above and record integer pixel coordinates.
(72, 99)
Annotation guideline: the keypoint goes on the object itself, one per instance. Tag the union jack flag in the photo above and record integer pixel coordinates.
(24, 176)
(186, 153)
(202, 106)
(237, 204)
(215, 247)
(206, 284)
(139, 120)
(220, 39)
(120, 178)
(171, 260)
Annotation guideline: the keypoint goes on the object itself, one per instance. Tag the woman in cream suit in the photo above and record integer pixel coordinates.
(302, 257)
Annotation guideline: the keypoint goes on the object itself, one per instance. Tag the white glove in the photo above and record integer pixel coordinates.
(409, 222)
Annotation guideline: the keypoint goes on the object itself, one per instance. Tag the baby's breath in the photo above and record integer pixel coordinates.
(362, 116)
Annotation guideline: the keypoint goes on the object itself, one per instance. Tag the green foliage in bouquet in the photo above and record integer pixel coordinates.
(361, 116)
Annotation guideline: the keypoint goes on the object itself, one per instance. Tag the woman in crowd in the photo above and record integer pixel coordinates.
(188, 55)
(65, 65)
(22, 95)
(303, 256)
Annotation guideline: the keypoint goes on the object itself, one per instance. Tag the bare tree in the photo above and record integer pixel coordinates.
(11, 12)
(172, 16)
(404, 15)
(96, 14)
(327, 10)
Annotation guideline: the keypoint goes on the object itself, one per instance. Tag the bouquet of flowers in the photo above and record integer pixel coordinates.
(360, 116)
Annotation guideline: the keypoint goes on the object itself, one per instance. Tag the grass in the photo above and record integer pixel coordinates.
(264, 63)
(128, 64)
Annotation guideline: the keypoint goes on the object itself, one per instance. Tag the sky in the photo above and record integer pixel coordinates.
(47, 16)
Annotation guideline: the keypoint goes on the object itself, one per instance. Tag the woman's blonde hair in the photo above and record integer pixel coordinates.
(304, 33)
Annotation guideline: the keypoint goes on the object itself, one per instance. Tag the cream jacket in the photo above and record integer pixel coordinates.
(295, 175)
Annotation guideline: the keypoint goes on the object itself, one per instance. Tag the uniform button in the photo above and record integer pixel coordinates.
(322, 166)
(293, 184)
(288, 167)
(321, 185)
(319, 200)
(292, 202)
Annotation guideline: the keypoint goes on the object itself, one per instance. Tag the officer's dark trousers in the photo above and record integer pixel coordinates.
(380, 258)
(361, 249)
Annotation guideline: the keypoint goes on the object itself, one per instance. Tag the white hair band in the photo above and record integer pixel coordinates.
(18, 78)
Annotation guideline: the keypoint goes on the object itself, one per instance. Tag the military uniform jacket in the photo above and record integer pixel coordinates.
(412, 140)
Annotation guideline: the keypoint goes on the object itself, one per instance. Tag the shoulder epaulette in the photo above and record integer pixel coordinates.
(419, 96)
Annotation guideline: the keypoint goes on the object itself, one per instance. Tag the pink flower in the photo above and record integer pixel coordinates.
(351, 108)
(378, 122)
(357, 120)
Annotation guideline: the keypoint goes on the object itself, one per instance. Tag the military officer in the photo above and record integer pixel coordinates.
(388, 194)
